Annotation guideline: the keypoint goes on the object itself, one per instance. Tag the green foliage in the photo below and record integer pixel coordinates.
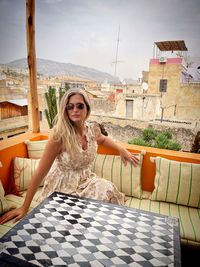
(152, 138)
(139, 142)
(63, 90)
(173, 146)
(51, 112)
(51, 101)
(167, 134)
(149, 134)
(161, 141)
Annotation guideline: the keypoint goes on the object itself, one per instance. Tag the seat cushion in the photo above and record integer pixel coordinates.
(4, 204)
(35, 148)
(24, 169)
(126, 178)
(177, 182)
(15, 202)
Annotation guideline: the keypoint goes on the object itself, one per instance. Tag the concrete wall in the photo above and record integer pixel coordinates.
(123, 129)
(103, 106)
(146, 107)
(13, 126)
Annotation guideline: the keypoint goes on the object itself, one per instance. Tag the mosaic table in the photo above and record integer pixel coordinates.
(66, 230)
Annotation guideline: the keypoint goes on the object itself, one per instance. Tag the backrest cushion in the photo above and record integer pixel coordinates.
(35, 148)
(177, 182)
(126, 178)
(24, 169)
(4, 204)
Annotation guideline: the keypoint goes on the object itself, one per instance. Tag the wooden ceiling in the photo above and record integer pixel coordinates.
(172, 46)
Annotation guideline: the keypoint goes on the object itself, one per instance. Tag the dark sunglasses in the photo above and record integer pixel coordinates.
(71, 106)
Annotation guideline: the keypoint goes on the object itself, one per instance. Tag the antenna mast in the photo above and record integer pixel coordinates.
(116, 56)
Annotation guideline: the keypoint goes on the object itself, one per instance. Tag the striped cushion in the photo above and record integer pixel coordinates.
(126, 178)
(23, 171)
(35, 148)
(4, 204)
(177, 182)
(189, 221)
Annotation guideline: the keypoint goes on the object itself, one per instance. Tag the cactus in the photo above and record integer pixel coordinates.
(51, 101)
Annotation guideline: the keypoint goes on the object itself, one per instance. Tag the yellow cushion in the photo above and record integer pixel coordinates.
(4, 204)
(15, 202)
(24, 169)
(126, 178)
(35, 148)
(177, 182)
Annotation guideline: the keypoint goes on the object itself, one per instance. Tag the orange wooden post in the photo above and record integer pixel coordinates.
(31, 59)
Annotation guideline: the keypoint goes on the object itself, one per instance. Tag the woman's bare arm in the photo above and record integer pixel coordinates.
(124, 153)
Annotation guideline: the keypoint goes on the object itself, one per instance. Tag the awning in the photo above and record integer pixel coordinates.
(172, 45)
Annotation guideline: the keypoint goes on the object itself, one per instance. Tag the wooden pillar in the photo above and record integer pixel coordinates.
(31, 60)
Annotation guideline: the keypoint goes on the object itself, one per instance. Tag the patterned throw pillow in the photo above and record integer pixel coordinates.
(23, 171)
(35, 148)
(4, 204)
(177, 182)
(126, 178)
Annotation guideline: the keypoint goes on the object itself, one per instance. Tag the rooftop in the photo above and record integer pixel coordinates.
(18, 102)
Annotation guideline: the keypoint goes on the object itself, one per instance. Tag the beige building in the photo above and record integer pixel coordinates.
(172, 92)
(179, 99)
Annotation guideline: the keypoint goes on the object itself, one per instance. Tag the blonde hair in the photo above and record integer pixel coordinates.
(63, 131)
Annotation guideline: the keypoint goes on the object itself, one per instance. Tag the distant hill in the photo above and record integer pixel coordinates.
(53, 68)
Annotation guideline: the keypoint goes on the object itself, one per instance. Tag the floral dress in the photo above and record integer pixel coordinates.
(75, 176)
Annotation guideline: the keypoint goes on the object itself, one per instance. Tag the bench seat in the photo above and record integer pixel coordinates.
(134, 185)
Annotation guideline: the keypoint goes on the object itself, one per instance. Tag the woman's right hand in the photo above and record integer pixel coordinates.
(17, 214)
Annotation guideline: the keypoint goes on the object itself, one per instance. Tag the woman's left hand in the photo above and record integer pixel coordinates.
(129, 157)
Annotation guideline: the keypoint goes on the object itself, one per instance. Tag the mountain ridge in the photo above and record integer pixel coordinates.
(53, 68)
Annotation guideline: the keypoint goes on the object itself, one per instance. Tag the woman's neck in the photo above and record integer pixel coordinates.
(79, 129)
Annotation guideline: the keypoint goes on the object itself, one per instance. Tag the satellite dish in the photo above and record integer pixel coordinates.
(145, 86)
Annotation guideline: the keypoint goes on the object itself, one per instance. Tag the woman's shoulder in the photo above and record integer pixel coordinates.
(94, 128)
(98, 128)
(55, 144)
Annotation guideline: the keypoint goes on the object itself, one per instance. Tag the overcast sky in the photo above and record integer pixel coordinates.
(85, 32)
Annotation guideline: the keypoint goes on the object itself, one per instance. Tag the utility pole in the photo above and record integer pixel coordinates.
(116, 55)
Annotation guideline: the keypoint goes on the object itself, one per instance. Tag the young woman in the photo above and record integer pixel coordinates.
(68, 155)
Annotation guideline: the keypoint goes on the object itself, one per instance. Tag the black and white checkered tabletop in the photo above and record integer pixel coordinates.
(65, 230)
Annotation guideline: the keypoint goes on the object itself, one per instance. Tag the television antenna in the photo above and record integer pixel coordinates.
(116, 55)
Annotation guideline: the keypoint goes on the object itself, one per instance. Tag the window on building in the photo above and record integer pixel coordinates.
(129, 108)
(163, 85)
(40, 115)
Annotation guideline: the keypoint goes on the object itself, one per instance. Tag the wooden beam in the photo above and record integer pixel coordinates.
(31, 60)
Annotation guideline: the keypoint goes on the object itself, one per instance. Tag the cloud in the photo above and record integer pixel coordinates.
(85, 32)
